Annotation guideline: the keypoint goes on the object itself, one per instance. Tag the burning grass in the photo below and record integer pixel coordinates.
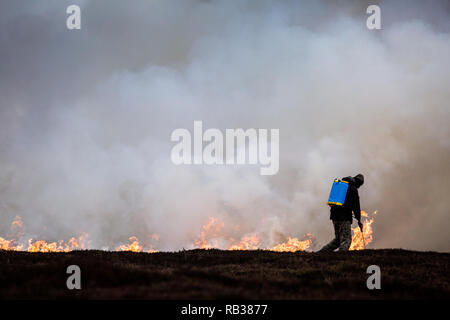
(212, 236)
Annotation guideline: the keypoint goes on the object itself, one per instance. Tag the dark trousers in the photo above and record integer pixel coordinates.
(342, 237)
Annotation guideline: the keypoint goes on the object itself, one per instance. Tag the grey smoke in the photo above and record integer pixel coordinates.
(86, 118)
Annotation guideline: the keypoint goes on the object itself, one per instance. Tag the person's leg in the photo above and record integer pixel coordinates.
(333, 244)
(345, 235)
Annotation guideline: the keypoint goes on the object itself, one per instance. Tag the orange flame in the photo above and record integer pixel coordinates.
(60, 246)
(212, 230)
(246, 243)
(293, 244)
(360, 240)
(80, 243)
(16, 231)
(17, 224)
(134, 246)
(9, 245)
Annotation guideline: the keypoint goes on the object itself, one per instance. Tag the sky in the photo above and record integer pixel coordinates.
(86, 118)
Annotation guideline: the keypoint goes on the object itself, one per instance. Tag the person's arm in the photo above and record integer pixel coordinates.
(357, 207)
(357, 210)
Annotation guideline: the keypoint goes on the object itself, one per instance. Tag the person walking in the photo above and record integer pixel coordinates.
(341, 216)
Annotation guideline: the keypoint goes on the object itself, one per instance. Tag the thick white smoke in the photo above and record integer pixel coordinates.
(86, 119)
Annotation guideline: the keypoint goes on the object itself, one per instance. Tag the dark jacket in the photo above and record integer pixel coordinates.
(351, 204)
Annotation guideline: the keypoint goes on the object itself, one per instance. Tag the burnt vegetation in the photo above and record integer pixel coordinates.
(217, 274)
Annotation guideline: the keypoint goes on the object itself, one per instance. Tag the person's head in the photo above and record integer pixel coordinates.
(359, 180)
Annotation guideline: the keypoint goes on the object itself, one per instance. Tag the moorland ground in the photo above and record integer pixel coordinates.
(217, 274)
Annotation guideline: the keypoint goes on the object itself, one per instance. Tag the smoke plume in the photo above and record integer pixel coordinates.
(86, 118)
